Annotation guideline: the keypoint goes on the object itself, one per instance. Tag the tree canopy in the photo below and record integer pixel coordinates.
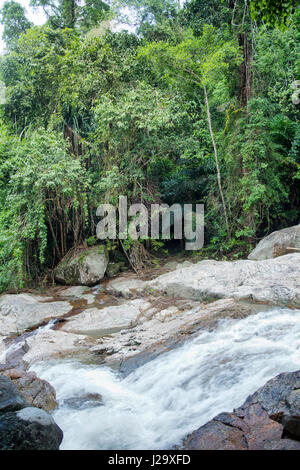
(73, 13)
(14, 20)
(197, 105)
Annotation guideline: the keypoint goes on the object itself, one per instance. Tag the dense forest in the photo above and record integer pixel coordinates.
(197, 103)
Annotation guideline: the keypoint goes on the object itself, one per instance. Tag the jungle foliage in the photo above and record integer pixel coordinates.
(195, 106)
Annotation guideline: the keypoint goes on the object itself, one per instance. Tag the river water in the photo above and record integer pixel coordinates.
(159, 403)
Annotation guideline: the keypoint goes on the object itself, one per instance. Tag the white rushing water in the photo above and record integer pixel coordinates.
(159, 403)
(9, 350)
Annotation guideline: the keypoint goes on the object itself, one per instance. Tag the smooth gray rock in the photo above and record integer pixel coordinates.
(108, 318)
(22, 312)
(76, 292)
(126, 287)
(54, 344)
(86, 268)
(273, 281)
(277, 244)
(162, 325)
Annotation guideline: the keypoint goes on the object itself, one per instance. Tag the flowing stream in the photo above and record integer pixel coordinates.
(159, 403)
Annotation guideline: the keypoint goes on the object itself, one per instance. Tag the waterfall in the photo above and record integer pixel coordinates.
(159, 403)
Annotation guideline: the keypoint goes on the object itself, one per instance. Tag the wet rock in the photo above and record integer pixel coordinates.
(15, 351)
(10, 397)
(215, 435)
(84, 401)
(273, 281)
(293, 399)
(29, 429)
(23, 427)
(3, 340)
(36, 391)
(279, 396)
(86, 268)
(269, 419)
(22, 312)
(4, 367)
(277, 243)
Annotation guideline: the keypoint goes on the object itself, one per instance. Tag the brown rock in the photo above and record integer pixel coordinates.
(283, 444)
(260, 427)
(36, 391)
(216, 435)
(268, 420)
(14, 374)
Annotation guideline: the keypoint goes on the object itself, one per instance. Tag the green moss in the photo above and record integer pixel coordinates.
(81, 259)
(101, 249)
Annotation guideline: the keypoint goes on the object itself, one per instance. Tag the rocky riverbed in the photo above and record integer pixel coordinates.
(128, 322)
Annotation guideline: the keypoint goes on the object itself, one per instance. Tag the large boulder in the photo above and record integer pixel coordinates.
(22, 312)
(277, 244)
(86, 268)
(268, 420)
(29, 429)
(280, 396)
(273, 281)
(23, 427)
(36, 391)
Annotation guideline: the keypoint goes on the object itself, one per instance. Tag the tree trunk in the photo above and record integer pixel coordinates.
(72, 13)
(245, 90)
(245, 85)
(217, 160)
